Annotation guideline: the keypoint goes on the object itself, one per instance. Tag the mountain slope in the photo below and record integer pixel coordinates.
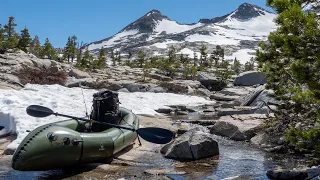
(238, 32)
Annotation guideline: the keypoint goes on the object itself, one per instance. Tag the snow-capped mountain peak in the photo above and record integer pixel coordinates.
(248, 11)
(238, 32)
(146, 23)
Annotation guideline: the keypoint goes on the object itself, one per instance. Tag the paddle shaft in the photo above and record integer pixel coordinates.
(99, 122)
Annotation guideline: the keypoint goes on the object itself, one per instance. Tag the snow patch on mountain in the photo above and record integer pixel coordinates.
(258, 26)
(172, 27)
(165, 44)
(212, 39)
(188, 52)
(120, 37)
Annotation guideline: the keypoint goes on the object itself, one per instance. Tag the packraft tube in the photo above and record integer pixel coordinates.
(66, 144)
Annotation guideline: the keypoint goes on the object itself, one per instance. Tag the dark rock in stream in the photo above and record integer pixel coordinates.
(283, 174)
(312, 173)
(241, 177)
(192, 145)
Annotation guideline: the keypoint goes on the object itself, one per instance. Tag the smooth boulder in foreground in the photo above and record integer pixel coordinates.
(192, 145)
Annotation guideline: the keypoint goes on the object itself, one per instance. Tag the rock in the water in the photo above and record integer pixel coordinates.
(192, 145)
(78, 74)
(236, 129)
(266, 141)
(157, 89)
(250, 78)
(241, 177)
(313, 172)
(162, 171)
(279, 173)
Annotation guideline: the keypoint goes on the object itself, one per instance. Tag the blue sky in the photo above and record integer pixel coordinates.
(98, 19)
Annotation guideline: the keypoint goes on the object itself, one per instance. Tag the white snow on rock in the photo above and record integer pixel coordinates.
(116, 39)
(13, 104)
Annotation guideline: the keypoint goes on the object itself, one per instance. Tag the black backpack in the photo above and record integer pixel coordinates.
(105, 108)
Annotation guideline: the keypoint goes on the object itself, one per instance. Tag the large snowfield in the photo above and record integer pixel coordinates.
(70, 101)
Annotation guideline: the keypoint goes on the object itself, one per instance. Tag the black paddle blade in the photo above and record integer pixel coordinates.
(39, 111)
(155, 135)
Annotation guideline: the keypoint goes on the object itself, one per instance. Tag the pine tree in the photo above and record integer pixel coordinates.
(86, 61)
(182, 59)
(35, 46)
(236, 67)
(101, 62)
(218, 55)
(113, 58)
(212, 59)
(73, 50)
(249, 65)
(223, 73)
(48, 50)
(129, 55)
(146, 70)
(187, 67)
(79, 50)
(195, 59)
(25, 40)
(11, 38)
(1, 37)
(119, 58)
(203, 57)
(171, 63)
(9, 28)
(67, 50)
(291, 63)
(141, 58)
